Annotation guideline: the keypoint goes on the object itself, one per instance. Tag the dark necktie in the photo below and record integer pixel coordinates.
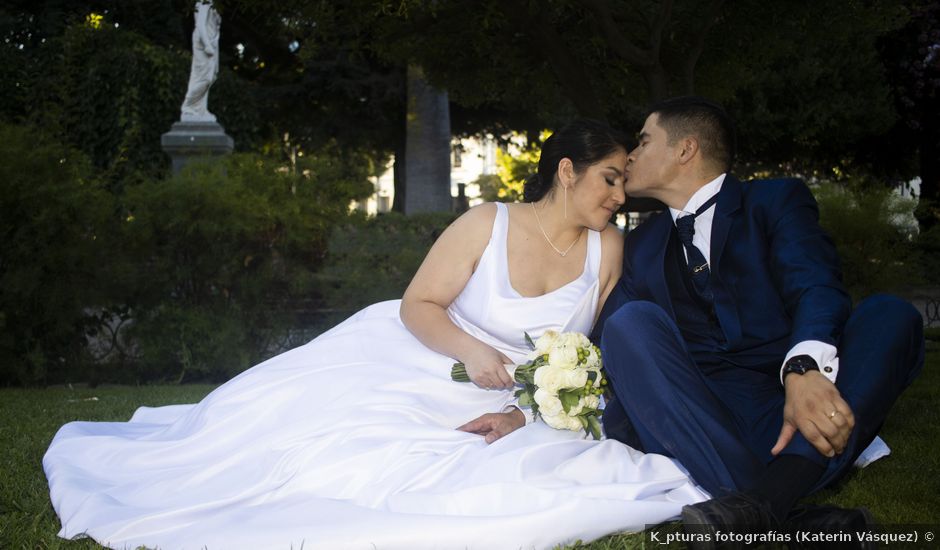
(696, 260)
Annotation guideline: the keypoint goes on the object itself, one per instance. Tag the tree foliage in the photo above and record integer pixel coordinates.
(110, 92)
(55, 228)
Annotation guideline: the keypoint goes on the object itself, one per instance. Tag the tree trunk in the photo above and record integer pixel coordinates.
(427, 147)
(398, 172)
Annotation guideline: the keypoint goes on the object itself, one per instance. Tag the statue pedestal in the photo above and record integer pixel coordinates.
(188, 141)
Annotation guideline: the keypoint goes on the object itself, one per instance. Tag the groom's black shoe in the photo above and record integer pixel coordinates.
(830, 527)
(733, 521)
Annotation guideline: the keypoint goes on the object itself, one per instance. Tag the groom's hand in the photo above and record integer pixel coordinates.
(495, 425)
(815, 408)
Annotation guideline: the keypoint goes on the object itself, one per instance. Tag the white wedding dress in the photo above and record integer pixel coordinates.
(349, 442)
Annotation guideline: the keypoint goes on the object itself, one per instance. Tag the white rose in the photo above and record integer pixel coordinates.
(549, 404)
(568, 339)
(576, 410)
(594, 358)
(562, 422)
(592, 401)
(555, 421)
(545, 342)
(550, 378)
(562, 355)
(581, 340)
(574, 424)
(576, 378)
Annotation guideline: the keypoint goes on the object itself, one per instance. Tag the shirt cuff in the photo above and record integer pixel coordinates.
(526, 412)
(824, 354)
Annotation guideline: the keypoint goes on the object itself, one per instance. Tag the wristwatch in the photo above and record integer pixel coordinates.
(799, 364)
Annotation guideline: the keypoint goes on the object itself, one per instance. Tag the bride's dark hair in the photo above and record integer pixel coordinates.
(584, 141)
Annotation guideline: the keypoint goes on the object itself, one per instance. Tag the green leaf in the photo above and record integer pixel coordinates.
(569, 398)
(525, 399)
(528, 340)
(594, 427)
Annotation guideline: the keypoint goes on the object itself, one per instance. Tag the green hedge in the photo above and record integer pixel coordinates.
(374, 259)
(55, 234)
(208, 271)
(874, 233)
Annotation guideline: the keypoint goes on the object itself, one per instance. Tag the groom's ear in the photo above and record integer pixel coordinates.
(687, 149)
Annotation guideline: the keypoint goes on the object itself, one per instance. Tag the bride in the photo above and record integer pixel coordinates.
(360, 439)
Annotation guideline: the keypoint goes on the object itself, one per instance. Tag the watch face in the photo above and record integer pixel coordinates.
(795, 366)
(800, 365)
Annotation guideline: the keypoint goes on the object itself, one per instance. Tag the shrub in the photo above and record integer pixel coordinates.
(374, 259)
(225, 255)
(54, 220)
(869, 226)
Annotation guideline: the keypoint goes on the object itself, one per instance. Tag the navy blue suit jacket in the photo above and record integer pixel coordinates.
(774, 271)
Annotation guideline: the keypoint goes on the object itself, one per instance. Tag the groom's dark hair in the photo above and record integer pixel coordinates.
(704, 119)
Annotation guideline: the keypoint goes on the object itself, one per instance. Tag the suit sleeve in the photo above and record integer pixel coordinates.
(805, 267)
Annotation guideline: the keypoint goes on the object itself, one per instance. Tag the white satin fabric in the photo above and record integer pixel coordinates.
(349, 442)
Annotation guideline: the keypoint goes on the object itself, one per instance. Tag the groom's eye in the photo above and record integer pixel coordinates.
(610, 182)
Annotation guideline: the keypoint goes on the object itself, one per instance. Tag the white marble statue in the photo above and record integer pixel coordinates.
(205, 64)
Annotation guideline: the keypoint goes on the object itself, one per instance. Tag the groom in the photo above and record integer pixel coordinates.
(730, 342)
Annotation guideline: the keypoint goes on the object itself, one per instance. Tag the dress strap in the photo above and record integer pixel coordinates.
(500, 226)
(593, 260)
(495, 251)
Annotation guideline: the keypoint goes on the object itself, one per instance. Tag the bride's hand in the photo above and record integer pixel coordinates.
(486, 367)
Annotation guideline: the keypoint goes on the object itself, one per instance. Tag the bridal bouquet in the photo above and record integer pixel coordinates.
(562, 381)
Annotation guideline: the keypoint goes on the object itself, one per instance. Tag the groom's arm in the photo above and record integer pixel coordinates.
(806, 271)
(805, 266)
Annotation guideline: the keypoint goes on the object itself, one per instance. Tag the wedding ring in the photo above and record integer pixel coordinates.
(833, 414)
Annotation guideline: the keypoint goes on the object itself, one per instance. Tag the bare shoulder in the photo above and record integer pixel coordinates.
(473, 228)
(612, 241)
(480, 218)
(611, 253)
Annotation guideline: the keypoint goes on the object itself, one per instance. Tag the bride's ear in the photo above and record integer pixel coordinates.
(566, 173)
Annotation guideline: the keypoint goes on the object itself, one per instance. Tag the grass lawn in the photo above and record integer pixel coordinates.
(901, 489)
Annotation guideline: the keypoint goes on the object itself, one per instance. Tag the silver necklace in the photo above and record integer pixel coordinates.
(564, 252)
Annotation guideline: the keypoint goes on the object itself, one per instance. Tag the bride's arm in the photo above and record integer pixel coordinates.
(611, 264)
(441, 277)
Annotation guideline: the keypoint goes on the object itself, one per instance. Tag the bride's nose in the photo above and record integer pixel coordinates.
(619, 195)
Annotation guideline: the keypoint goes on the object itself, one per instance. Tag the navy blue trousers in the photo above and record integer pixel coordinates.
(721, 421)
